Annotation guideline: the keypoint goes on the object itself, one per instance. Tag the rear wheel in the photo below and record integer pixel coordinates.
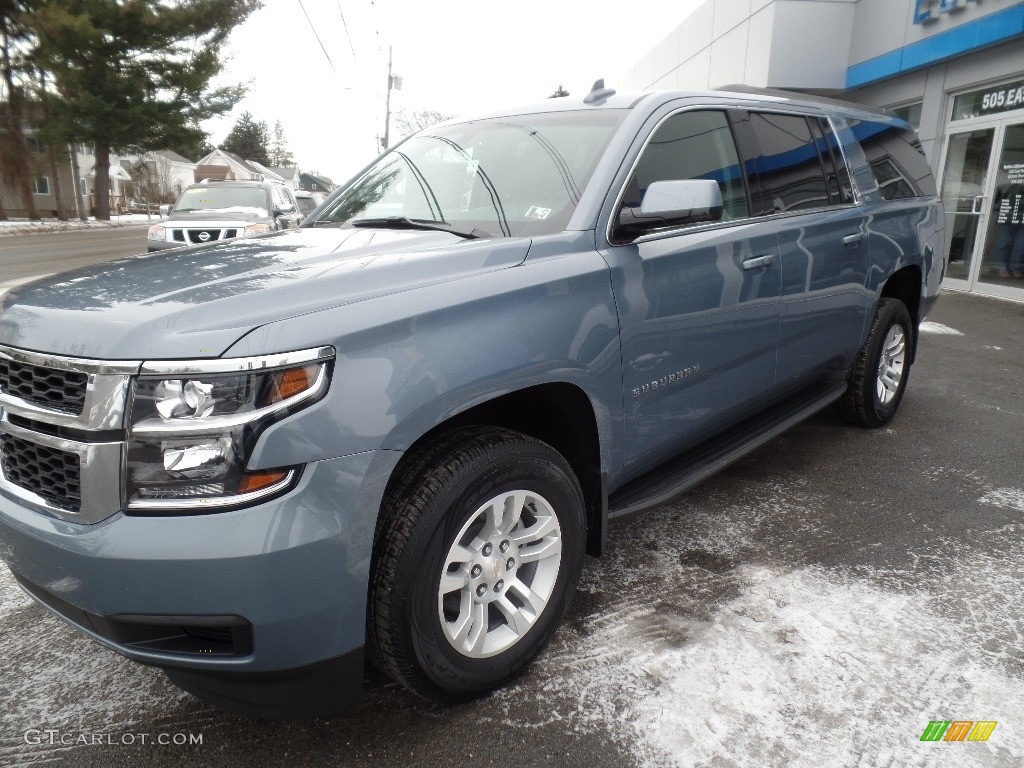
(478, 552)
(879, 376)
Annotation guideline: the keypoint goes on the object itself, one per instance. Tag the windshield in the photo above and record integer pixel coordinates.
(504, 176)
(243, 199)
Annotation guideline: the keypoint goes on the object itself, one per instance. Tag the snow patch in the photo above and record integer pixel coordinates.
(1005, 498)
(26, 227)
(929, 327)
(804, 668)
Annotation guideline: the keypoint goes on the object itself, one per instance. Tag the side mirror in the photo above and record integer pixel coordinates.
(285, 209)
(165, 209)
(672, 204)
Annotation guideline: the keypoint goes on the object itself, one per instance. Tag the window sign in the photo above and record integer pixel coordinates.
(926, 11)
(989, 101)
(1010, 196)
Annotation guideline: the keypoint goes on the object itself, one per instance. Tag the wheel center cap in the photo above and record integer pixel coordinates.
(493, 567)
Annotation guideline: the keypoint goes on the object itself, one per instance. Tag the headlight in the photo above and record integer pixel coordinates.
(193, 426)
(158, 232)
(255, 229)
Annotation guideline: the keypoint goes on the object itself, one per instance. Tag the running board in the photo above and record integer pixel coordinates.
(690, 468)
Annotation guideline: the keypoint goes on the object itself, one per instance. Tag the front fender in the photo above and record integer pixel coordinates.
(408, 362)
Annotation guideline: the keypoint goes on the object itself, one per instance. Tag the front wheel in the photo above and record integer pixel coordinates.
(879, 376)
(477, 556)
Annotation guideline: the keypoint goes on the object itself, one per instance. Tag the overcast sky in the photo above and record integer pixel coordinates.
(454, 56)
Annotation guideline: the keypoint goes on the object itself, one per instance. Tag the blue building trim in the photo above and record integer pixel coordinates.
(988, 30)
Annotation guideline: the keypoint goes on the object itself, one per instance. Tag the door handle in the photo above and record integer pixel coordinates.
(853, 239)
(759, 261)
(979, 204)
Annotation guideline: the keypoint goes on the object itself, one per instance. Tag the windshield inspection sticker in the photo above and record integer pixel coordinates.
(536, 212)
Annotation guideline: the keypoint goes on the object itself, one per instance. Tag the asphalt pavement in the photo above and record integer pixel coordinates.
(816, 604)
(43, 253)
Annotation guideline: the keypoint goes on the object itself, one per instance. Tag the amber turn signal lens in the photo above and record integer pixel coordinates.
(257, 481)
(291, 382)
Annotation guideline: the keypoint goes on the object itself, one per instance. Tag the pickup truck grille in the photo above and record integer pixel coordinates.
(199, 236)
(46, 387)
(53, 474)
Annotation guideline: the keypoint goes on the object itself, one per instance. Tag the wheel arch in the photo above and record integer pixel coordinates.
(905, 285)
(560, 414)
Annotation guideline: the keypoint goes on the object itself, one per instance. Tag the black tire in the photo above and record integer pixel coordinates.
(438, 492)
(862, 405)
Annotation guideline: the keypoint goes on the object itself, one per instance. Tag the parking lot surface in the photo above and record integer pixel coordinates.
(816, 604)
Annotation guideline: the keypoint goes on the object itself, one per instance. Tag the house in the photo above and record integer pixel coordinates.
(43, 184)
(227, 166)
(127, 173)
(314, 183)
(159, 175)
(290, 176)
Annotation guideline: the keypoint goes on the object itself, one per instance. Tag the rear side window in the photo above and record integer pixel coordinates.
(790, 167)
(896, 159)
(837, 176)
(692, 145)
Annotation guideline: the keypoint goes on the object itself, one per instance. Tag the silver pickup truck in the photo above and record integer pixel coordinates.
(395, 431)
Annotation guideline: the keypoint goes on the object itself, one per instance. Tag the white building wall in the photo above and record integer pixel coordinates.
(810, 43)
(752, 42)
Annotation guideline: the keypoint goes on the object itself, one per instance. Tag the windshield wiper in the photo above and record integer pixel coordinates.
(404, 222)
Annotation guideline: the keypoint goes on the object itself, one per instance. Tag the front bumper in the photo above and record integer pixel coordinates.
(291, 573)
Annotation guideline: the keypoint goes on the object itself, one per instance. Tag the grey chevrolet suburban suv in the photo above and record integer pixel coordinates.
(395, 431)
(218, 210)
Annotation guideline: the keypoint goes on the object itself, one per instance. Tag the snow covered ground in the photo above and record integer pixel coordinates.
(24, 226)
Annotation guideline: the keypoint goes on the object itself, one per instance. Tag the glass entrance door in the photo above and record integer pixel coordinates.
(1002, 257)
(968, 155)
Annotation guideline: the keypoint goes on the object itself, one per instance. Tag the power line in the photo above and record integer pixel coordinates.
(345, 25)
(317, 36)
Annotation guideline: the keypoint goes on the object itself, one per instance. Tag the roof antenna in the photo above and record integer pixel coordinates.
(598, 93)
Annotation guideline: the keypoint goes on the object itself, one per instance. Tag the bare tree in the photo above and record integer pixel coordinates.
(408, 123)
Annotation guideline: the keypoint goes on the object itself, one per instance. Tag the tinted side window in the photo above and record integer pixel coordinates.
(692, 145)
(896, 159)
(840, 190)
(790, 169)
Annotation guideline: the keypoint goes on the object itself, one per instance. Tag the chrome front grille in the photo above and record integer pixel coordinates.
(61, 432)
(50, 473)
(199, 236)
(45, 387)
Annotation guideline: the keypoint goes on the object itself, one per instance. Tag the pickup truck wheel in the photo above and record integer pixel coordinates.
(879, 376)
(478, 552)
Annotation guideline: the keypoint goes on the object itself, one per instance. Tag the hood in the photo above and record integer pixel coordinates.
(196, 302)
(204, 217)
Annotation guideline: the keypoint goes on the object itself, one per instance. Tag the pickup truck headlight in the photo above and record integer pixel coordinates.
(255, 229)
(191, 430)
(157, 232)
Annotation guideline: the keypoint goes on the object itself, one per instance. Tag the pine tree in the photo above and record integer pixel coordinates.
(248, 139)
(134, 74)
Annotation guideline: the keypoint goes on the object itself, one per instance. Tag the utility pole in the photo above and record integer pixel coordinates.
(393, 82)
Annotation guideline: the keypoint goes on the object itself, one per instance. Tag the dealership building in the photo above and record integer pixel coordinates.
(952, 68)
